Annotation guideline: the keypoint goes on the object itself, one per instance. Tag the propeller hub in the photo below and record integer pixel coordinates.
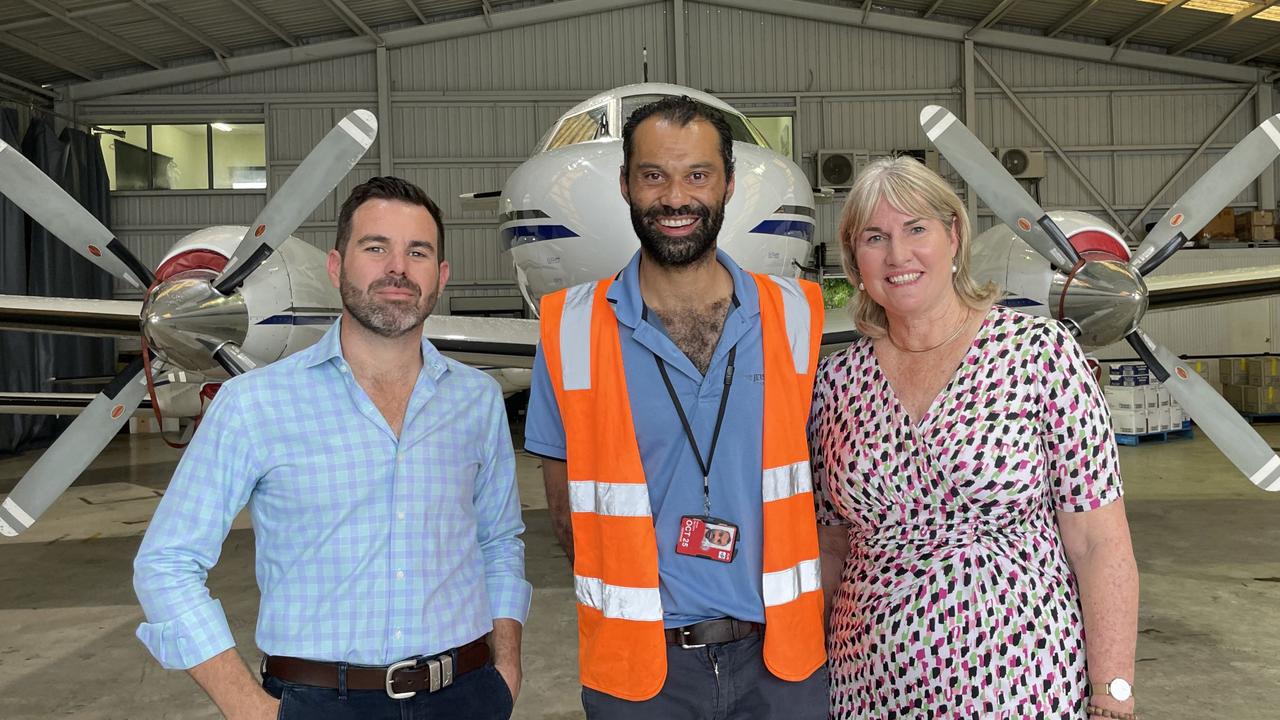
(1104, 298)
(185, 320)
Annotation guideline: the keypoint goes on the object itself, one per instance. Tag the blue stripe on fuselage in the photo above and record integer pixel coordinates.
(1017, 302)
(525, 234)
(799, 229)
(287, 319)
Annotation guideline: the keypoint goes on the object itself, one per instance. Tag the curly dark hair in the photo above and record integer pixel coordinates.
(680, 110)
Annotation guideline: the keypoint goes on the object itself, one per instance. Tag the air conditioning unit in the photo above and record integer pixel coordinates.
(838, 168)
(1022, 163)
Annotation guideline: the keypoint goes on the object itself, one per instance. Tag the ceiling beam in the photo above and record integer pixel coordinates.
(1221, 26)
(353, 21)
(43, 55)
(488, 12)
(79, 12)
(1260, 49)
(400, 37)
(1072, 16)
(988, 37)
(996, 13)
(184, 27)
(414, 7)
(259, 17)
(98, 32)
(933, 7)
(1152, 18)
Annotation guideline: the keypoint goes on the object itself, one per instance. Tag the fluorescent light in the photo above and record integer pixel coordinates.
(221, 126)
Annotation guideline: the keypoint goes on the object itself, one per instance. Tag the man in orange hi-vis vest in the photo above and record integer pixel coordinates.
(669, 404)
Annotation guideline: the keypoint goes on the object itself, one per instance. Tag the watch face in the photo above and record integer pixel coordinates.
(1120, 689)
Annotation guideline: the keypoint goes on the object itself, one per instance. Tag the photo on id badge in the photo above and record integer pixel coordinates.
(707, 537)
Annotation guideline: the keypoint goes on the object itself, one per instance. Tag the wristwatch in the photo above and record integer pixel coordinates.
(1118, 688)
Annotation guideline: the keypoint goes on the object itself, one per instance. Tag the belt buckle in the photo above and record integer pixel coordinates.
(684, 635)
(391, 671)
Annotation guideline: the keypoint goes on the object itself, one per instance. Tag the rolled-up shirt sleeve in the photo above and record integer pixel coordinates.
(498, 521)
(185, 625)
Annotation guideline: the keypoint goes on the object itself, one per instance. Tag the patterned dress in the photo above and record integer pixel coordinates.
(957, 600)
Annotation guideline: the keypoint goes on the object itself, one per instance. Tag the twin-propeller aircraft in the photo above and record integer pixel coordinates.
(227, 299)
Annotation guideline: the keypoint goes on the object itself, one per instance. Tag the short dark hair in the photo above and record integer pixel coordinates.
(680, 110)
(386, 188)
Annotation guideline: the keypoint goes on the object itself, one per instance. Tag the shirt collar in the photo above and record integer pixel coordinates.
(629, 304)
(329, 349)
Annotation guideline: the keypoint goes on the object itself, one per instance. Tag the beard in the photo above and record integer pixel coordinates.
(677, 252)
(388, 318)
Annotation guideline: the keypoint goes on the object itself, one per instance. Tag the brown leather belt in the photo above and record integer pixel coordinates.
(710, 632)
(400, 680)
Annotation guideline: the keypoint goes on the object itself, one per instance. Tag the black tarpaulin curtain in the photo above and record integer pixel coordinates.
(33, 262)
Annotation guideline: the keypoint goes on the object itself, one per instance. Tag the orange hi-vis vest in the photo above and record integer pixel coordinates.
(621, 645)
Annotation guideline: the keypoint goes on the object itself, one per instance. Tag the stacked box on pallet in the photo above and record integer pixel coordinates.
(1251, 385)
(1131, 398)
(1256, 226)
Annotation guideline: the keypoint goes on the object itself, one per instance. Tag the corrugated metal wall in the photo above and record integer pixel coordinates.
(466, 111)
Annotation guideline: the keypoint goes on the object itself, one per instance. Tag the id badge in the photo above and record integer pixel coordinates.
(707, 537)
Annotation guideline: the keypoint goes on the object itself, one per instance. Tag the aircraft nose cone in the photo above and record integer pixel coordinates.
(184, 320)
(1105, 299)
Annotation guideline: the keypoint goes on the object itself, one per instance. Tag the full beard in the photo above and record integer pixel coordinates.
(388, 318)
(677, 252)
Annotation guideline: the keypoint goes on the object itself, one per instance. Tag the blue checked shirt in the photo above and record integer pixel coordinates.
(369, 548)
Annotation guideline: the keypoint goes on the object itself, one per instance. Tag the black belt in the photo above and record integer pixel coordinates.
(711, 632)
(400, 680)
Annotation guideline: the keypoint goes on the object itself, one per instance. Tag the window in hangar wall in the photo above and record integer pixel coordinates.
(778, 131)
(189, 156)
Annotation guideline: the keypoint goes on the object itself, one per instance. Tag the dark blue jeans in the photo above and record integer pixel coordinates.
(478, 695)
(728, 681)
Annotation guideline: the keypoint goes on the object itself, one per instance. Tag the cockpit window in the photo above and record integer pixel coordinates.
(584, 126)
(739, 128)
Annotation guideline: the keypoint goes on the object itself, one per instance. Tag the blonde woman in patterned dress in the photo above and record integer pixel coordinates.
(972, 527)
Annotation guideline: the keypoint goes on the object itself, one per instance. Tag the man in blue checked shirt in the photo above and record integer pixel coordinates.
(380, 478)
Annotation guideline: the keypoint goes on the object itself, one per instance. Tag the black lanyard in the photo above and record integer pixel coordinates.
(684, 421)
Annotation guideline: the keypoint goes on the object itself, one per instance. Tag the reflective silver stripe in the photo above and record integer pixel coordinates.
(616, 499)
(783, 586)
(795, 310)
(575, 337)
(18, 513)
(782, 482)
(1266, 477)
(615, 601)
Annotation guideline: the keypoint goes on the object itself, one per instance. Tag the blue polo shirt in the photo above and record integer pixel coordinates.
(692, 589)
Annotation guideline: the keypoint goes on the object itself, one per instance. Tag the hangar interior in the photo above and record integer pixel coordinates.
(1117, 106)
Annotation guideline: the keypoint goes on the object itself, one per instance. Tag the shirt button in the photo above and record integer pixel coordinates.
(398, 634)
(400, 516)
(399, 574)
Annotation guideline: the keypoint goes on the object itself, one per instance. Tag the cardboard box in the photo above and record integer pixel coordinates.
(1256, 233)
(1233, 371)
(1125, 398)
(1233, 394)
(1255, 218)
(1161, 419)
(1223, 225)
(1163, 398)
(1260, 400)
(1263, 371)
(1203, 368)
(1128, 422)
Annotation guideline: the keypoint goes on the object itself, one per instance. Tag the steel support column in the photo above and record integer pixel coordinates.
(384, 110)
(1264, 108)
(679, 40)
(970, 118)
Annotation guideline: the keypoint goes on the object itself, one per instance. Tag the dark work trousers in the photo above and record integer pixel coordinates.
(478, 695)
(727, 681)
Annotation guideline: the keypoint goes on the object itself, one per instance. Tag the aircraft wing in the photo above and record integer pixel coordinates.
(70, 316)
(484, 342)
(1170, 292)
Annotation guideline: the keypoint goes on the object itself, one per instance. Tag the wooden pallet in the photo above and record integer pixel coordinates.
(1163, 436)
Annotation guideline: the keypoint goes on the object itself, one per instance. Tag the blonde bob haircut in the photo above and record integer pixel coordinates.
(915, 190)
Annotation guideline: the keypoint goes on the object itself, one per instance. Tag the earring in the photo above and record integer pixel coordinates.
(954, 268)
(860, 287)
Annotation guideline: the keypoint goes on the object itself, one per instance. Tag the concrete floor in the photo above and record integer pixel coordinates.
(1208, 547)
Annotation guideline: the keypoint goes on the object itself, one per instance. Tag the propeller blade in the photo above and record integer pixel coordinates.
(1197, 206)
(66, 458)
(315, 178)
(48, 204)
(1234, 437)
(234, 359)
(998, 190)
